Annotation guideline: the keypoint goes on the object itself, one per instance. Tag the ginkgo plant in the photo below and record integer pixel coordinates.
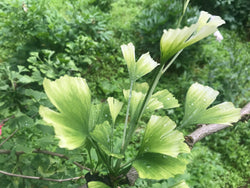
(80, 121)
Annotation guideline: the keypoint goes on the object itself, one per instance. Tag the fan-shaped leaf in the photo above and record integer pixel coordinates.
(198, 99)
(102, 135)
(174, 40)
(97, 184)
(157, 166)
(162, 99)
(114, 106)
(160, 137)
(71, 96)
(144, 65)
(136, 102)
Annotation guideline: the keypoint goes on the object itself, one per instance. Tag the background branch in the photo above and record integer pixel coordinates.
(205, 130)
(48, 153)
(9, 137)
(40, 178)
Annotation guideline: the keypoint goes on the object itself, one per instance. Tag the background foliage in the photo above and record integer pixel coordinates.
(83, 38)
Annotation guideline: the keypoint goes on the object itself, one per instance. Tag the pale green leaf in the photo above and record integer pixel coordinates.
(157, 166)
(160, 137)
(154, 104)
(136, 102)
(128, 52)
(115, 107)
(141, 87)
(144, 65)
(174, 40)
(97, 184)
(102, 135)
(182, 184)
(162, 99)
(198, 99)
(71, 97)
(98, 114)
(224, 113)
(170, 184)
(69, 136)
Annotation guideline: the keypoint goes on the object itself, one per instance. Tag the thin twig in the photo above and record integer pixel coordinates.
(205, 130)
(9, 137)
(61, 156)
(7, 119)
(48, 153)
(40, 178)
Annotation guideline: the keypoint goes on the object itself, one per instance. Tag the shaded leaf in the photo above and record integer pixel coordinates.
(102, 135)
(21, 120)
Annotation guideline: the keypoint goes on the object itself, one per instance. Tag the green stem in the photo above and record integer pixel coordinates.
(99, 152)
(128, 163)
(112, 142)
(153, 85)
(183, 12)
(90, 158)
(157, 76)
(172, 61)
(127, 115)
(145, 102)
(125, 139)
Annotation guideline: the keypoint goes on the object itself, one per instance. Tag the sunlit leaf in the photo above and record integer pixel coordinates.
(170, 184)
(128, 52)
(136, 101)
(97, 184)
(102, 135)
(198, 99)
(144, 65)
(98, 114)
(174, 40)
(160, 137)
(182, 184)
(114, 106)
(71, 97)
(157, 166)
(141, 87)
(162, 99)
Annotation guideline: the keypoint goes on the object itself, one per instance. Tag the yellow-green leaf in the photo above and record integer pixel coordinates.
(114, 106)
(160, 137)
(71, 97)
(198, 99)
(97, 184)
(162, 99)
(174, 40)
(157, 166)
(143, 66)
